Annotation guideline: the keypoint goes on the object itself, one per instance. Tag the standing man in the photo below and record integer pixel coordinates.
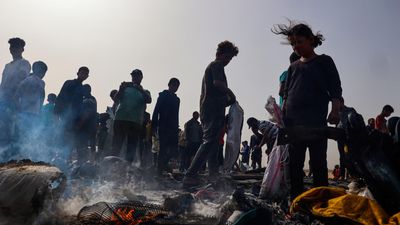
(68, 107)
(165, 123)
(29, 99)
(13, 74)
(193, 135)
(215, 96)
(129, 115)
(380, 121)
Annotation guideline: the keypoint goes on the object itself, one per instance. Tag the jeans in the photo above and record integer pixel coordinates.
(208, 150)
(129, 130)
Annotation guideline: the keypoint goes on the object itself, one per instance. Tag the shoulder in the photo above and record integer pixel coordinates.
(326, 59)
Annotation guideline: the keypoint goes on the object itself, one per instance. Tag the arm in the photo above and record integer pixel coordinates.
(155, 117)
(218, 74)
(335, 91)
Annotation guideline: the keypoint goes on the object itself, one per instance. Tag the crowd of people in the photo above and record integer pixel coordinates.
(127, 130)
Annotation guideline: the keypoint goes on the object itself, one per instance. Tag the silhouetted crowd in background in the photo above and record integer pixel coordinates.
(69, 128)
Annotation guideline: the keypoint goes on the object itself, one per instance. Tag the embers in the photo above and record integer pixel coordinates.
(124, 213)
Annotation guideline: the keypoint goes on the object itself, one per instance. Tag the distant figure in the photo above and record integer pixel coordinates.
(14, 72)
(336, 172)
(245, 152)
(268, 130)
(193, 136)
(371, 125)
(48, 118)
(106, 124)
(165, 123)
(29, 100)
(68, 107)
(312, 82)
(87, 125)
(282, 78)
(380, 121)
(343, 123)
(255, 150)
(129, 116)
(215, 96)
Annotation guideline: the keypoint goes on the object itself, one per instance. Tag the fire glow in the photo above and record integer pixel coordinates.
(128, 216)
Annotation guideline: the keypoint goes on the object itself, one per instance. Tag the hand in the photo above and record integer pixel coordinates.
(333, 117)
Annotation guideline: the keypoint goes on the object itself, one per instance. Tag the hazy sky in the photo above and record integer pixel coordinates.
(178, 38)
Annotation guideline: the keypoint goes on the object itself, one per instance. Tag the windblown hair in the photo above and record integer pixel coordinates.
(227, 47)
(298, 29)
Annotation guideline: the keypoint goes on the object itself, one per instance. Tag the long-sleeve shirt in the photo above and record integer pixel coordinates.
(308, 89)
(166, 112)
(13, 74)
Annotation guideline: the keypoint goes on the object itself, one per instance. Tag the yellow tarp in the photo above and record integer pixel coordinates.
(335, 202)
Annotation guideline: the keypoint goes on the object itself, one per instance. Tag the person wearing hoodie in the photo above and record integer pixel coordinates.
(165, 123)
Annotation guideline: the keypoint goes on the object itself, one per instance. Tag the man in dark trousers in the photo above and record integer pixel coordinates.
(68, 107)
(129, 115)
(215, 96)
(193, 135)
(165, 122)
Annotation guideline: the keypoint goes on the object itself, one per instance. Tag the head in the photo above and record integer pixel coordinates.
(300, 36)
(387, 110)
(195, 115)
(173, 85)
(371, 122)
(293, 57)
(253, 123)
(113, 93)
(39, 69)
(51, 98)
(226, 51)
(337, 166)
(137, 76)
(83, 73)
(17, 46)
(244, 143)
(87, 89)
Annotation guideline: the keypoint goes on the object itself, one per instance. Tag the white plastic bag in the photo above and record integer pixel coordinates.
(233, 135)
(275, 184)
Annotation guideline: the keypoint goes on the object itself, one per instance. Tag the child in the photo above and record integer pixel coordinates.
(312, 82)
(336, 172)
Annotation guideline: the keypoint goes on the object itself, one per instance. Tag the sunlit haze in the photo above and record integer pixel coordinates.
(178, 38)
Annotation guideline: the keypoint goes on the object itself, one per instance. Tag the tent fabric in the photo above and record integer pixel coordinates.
(328, 202)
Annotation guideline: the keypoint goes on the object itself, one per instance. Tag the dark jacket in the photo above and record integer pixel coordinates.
(166, 112)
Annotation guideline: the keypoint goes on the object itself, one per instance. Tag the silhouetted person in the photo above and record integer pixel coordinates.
(87, 125)
(29, 99)
(245, 152)
(215, 96)
(48, 118)
(193, 135)
(313, 81)
(129, 115)
(68, 107)
(282, 78)
(344, 113)
(380, 121)
(371, 125)
(165, 123)
(13, 74)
